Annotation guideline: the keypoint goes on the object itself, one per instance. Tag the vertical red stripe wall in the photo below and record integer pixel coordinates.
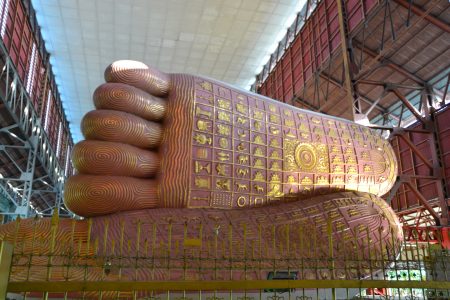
(311, 48)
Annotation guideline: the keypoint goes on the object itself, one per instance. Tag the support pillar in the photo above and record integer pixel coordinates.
(347, 55)
(6, 251)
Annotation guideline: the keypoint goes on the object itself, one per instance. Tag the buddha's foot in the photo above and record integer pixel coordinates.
(337, 236)
(182, 141)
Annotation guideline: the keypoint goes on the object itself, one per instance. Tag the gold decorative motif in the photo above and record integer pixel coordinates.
(321, 180)
(318, 130)
(350, 160)
(353, 212)
(258, 163)
(337, 180)
(287, 113)
(291, 179)
(345, 134)
(335, 149)
(351, 170)
(289, 134)
(275, 166)
(274, 143)
(332, 133)
(202, 153)
(223, 143)
(367, 168)
(203, 125)
(275, 190)
(241, 120)
(275, 187)
(202, 139)
(258, 188)
(258, 176)
(328, 205)
(241, 108)
(257, 125)
(348, 151)
(240, 97)
(304, 156)
(274, 130)
(274, 119)
(315, 120)
(275, 155)
(241, 134)
(242, 159)
(365, 155)
(241, 187)
(225, 104)
(223, 156)
(223, 184)
(258, 140)
(207, 86)
(202, 182)
(289, 122)
(312, 210)
(352, 179)
(223, 116)
(241, 201)
(303, 127)
(241, 147)
(337, 169)
(306, 181)
(223, 129)
(258, 152)
(199, 167)
(241, 172)
(258, 115)
(208, 98)
(221, 169)
(199, 112)
(361, 228)
(272, 108)
(337, 160)
(340, 226)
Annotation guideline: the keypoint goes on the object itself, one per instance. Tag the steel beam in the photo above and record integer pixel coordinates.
(408, 105)
(206, 285)
(424, 202)
(348, 82)
(19, 105)
(424, 14)
(386, 61)
(340, 85)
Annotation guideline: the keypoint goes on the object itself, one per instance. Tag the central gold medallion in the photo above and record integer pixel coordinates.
(305, 156)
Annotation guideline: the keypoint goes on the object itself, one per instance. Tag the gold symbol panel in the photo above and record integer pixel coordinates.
(245, 149)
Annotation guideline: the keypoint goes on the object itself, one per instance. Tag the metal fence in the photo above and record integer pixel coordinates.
(71, 259)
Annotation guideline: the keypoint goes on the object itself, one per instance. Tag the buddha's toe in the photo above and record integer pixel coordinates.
(117, 159)
(116, 126)
(92, 195)
(139, 75)
(127, 98)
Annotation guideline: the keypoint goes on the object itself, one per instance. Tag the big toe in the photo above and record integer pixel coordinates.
(139, 75)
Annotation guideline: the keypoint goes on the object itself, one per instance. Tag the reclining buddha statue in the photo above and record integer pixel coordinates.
(229, 173)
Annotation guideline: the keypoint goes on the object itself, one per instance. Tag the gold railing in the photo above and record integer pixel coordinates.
(63, 258)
